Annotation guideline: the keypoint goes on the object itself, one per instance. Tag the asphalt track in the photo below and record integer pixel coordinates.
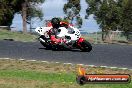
(112, 55)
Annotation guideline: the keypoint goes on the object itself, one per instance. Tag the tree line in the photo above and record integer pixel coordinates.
(27, 8)
(109, 14)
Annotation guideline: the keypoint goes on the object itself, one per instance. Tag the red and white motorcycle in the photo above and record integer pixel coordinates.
(71, 35)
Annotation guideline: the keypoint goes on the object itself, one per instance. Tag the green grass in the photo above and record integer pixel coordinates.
(56, 78)
(26, 74)
(17, 36)
(41, 76)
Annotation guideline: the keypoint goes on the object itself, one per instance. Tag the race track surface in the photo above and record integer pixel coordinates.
(101, 55)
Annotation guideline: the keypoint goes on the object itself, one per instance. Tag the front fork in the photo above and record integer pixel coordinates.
(43, 39)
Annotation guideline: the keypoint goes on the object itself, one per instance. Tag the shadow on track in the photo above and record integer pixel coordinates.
(72, 50)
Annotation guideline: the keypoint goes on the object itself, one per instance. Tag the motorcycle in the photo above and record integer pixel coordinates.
(71, 34)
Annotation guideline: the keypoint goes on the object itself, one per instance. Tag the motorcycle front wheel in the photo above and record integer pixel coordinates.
(48, 47)
(86, 46)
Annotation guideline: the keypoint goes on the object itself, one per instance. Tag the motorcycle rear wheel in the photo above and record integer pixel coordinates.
(86, 46)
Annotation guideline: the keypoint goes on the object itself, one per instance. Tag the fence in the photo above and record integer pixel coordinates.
(4, 27)
(114, 37)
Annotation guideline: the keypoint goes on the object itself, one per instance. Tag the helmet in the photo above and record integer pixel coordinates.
(55, 22)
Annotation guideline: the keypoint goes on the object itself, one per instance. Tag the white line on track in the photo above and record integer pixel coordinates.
(45, 61)
(66, 63)
(32, 60)
(103, 66)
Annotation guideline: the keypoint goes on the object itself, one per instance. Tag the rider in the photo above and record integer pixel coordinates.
(56, 23)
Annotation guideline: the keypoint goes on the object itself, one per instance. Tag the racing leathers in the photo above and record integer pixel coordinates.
(53, 34)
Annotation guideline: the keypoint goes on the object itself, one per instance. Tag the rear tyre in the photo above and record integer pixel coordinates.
(86, 46)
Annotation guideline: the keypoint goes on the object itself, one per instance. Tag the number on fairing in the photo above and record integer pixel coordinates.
(77, 34)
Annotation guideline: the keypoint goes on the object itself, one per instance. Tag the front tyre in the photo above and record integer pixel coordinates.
(86, 46)
(43, 41)
(47, 47)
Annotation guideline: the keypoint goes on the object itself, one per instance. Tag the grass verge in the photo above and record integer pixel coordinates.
(17, 36)
(27, 74)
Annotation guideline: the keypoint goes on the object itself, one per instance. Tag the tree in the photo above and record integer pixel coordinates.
(27, 8)
(7, 10)
(108, 14)
(127, 18)
(72, 9)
